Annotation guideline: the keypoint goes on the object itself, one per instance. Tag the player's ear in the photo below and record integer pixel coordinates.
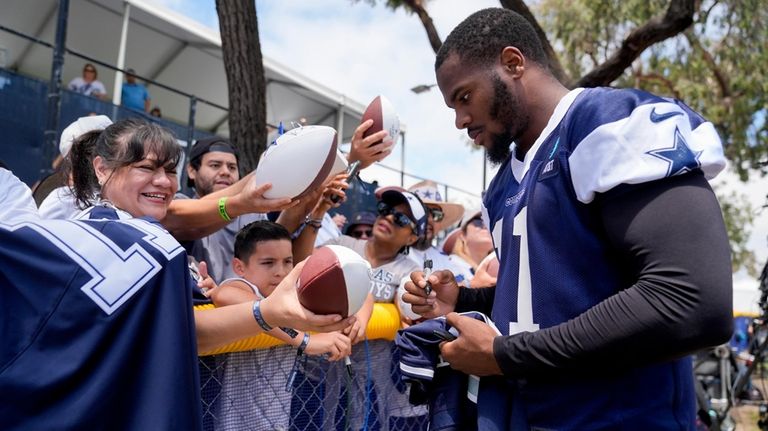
(513, 61)
(238, 266)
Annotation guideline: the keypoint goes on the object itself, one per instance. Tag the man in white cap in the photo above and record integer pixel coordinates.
(60, 203)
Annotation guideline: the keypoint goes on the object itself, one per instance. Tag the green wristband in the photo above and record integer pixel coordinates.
(223, 209)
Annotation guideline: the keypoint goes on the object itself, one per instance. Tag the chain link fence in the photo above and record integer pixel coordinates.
(274, 389)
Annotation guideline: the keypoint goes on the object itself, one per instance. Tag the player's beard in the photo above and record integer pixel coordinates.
(506, 109)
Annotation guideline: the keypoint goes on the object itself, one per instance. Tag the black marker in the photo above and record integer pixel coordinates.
(427, 272)
(351, 175)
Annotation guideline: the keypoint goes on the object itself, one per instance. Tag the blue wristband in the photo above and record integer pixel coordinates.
(304, 344)
(259, 318)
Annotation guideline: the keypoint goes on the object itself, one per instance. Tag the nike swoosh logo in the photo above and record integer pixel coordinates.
(657, 118)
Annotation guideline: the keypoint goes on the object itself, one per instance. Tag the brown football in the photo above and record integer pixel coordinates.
(334, 280)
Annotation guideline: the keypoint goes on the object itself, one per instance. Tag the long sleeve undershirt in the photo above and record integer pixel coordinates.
(672, 238)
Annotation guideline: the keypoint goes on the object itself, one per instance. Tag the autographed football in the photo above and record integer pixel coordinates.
(298, 162)
(384, 117)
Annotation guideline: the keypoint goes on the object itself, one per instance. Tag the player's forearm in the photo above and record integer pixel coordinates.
(673, 238)
(476, 299)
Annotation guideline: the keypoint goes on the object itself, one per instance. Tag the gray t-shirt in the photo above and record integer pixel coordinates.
(386, 278)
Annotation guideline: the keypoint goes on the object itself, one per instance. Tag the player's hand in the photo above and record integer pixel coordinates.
(364, 150)
(282, 308)
(335, 344)
(472, 351)
(442, 299)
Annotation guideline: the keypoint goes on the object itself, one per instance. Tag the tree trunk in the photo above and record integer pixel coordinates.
(417, 7)
(245, 79)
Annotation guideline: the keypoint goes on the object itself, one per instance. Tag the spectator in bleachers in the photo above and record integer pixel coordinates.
(134, 95)
(262, 258)
(88, 84)
(155, 112)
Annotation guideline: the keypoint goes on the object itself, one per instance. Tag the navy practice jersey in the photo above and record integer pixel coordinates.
(97, 325)
(451, 395)
(555, 259)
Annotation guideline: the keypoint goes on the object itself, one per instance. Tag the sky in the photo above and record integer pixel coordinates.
(363, 51)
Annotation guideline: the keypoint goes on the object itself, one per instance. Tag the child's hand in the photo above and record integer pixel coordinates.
(336, 344)
(206, 283)
(356, 332)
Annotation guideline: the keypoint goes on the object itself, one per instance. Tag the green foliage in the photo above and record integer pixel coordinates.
(716, 67)
(738, 213)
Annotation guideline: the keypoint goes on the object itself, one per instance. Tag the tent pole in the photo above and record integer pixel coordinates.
(118, 91)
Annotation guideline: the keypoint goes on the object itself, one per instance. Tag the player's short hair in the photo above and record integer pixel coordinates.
(479, 39)
(254, 233)
(121, 144)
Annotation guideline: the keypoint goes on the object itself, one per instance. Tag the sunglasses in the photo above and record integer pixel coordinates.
(437, 213)
(89, 70)
(401, 219)
(361, 233)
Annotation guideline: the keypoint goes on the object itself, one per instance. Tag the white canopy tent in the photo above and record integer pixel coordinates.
(168, 48)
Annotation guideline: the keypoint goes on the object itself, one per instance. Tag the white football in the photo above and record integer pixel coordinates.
(298, 162)
(384, 117)
(405, 308)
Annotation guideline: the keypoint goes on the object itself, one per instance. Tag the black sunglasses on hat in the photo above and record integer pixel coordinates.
(436, 212)
(401, 219)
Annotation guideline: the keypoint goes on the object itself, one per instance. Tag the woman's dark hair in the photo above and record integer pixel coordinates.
(121, 144)
(254, 233)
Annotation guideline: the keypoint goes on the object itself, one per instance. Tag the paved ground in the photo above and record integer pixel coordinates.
(745, 417)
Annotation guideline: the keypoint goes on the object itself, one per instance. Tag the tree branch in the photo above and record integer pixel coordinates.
(417, 7)
(677, 18)
(660, 78)
(554, 62)
(722, 81)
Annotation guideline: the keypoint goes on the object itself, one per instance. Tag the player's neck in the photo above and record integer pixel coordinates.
(548, 92)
